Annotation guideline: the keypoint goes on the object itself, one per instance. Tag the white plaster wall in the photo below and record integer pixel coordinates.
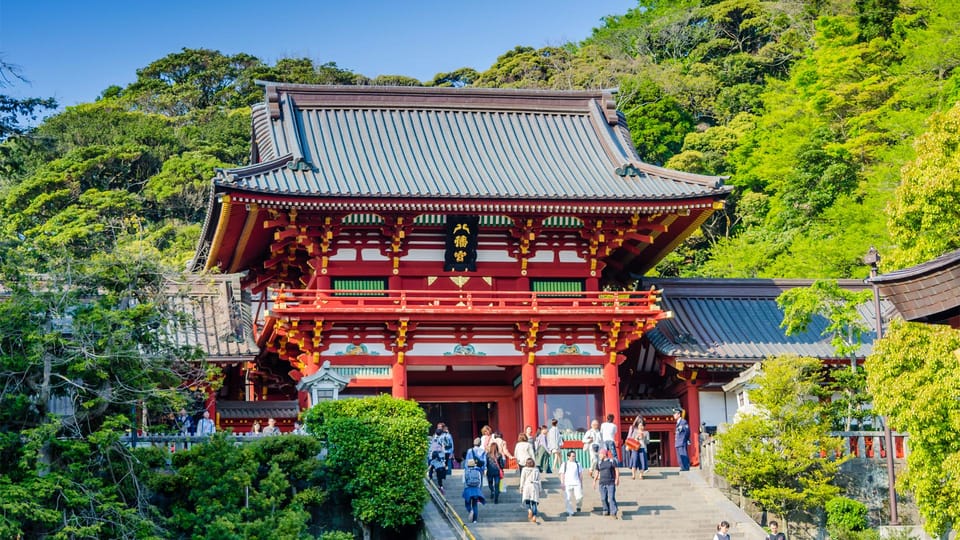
(716, 408)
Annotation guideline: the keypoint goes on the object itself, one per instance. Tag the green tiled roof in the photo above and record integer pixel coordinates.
(329, 141)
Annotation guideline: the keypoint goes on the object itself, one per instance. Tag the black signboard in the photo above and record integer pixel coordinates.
(461, 252)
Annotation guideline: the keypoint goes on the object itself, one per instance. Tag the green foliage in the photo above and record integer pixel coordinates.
(925, 215)
(914, 377)
(375, 456)
(525, 67)
(14, 110)
(263, 489)
(782, 456)
(394, 80)
(845, 514)
(194, 79)
(459, 78)
(824, 298)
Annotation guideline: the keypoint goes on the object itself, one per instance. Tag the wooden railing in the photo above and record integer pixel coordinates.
(476, 306)
(420, 301)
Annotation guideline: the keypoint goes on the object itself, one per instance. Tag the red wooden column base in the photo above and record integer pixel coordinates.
(693, 418)
(399, 372)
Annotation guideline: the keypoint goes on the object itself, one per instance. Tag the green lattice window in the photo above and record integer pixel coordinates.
(360, 284)
(558, 286)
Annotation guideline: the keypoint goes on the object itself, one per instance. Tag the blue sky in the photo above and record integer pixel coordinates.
(73, 50)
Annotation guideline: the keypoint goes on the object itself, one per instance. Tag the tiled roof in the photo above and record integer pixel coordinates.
(738, 321)
(330, 141)
(928, 292)
(257, 409)
(648, 407)
(217, 319)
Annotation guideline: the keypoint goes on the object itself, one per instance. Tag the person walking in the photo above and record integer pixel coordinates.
(638, 458)
(554, 442)
(438, 466)
(523, 451)
(543, 455)
(571, 480)
(530, 487)
(722, 533)
(608, 478)
(435, 447)
(478, 455)
(494, 470)
(682, 440)
(775, 533)
(447, 441)
(608, 434)
(502, 447)
(206, 426)
(591, 443)
(472, 494)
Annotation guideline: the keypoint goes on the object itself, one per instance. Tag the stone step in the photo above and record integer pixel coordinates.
(665, 505)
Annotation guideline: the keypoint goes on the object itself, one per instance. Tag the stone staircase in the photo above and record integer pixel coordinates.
(665, 505)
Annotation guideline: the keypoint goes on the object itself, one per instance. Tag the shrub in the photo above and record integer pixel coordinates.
(845, 514)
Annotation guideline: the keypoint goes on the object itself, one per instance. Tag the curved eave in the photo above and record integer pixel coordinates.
(927, 292)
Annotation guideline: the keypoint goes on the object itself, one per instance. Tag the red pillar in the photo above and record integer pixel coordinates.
(399, 373)
(528, 394)
(611, 394)
(693, 418)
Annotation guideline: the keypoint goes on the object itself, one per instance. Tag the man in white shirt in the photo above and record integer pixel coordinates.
(592, 441)
(206, 426)
(608, 433)
(571, 480)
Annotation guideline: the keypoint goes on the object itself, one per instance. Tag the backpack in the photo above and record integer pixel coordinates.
(471, 477)
(436, 445)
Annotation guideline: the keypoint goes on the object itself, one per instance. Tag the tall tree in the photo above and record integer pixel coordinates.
(925, 211)
(914, 377)
(775, 455)
(388, 436)
(14, 110)
(845, 326)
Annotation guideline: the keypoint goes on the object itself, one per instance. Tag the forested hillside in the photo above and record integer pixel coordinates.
(837, 120)
(834, 120)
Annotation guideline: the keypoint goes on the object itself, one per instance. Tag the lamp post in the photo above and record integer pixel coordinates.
(872, 259)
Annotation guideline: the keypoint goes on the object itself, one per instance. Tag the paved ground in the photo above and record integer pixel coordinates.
(665, 505)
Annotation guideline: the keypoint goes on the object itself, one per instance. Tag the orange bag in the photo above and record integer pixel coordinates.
(632, 444)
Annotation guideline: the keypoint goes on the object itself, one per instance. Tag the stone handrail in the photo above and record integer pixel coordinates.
(870, 445)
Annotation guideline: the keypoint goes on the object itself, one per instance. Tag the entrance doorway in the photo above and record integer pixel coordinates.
(464, 421)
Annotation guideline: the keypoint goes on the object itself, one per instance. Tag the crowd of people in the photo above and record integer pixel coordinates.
(540, 451)
(185, 424)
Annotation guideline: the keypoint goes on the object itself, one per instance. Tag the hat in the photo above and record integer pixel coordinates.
(476, 442)
(602, 453)
(471, 463)
(677, 411)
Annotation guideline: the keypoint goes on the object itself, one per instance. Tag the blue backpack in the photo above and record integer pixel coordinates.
(471, 477)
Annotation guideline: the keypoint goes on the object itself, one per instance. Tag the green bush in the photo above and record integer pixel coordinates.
(336, 535)
(844, 515)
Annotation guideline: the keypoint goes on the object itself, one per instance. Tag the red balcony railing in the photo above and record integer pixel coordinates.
(447, 306)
